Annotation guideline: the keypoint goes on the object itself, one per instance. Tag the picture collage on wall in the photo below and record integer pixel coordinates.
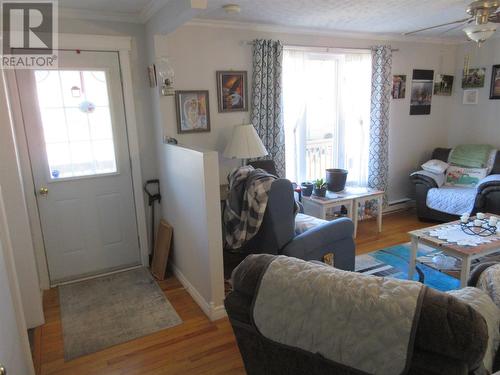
(425, 84)
(474, 79)
(193, 106)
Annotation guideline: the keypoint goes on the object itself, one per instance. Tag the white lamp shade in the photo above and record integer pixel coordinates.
(479, 33)
(245, 144)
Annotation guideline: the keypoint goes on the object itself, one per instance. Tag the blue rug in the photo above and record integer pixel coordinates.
(393, 262)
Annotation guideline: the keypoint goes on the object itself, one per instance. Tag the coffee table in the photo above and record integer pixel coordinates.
(349, 197)
(465, 253)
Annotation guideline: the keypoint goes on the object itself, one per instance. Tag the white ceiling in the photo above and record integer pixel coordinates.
(363, 16)
(121, 6)
(385, 17)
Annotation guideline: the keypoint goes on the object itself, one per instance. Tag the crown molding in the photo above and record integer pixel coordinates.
(323, 32)
(95, 42)
(93, 15)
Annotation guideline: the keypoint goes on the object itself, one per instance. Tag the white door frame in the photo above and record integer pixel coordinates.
(13, 285)
(122, 45)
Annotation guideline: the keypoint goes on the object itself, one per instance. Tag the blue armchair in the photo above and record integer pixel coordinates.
(279, 233)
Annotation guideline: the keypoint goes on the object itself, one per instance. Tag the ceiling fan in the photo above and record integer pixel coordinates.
(479, 26)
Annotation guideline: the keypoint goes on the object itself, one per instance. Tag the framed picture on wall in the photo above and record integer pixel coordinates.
(152, 75)
(471, 96)
(421, 92)
(495, 82)
(398, 86)
(192, 109)
(474, 78)
(443, 85)
(232, 91)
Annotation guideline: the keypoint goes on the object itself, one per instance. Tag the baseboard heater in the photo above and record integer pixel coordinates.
(399, 204)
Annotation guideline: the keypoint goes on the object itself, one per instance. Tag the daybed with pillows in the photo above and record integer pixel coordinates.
(465, 179)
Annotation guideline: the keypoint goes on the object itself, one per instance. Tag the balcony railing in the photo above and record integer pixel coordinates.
(319, 156)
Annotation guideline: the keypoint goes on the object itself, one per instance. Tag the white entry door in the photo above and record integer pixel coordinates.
(77, 138)
(15, 354)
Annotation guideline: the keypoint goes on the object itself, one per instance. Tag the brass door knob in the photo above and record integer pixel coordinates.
(43, 191)
(3, 371)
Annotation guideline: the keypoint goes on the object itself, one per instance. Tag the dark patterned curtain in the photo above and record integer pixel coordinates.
(267, 99)
(378, 164)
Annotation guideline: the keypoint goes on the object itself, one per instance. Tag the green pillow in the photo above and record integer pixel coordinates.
(472, 156)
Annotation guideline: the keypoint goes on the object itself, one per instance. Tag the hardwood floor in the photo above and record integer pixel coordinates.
(197, 346)
(395, 227)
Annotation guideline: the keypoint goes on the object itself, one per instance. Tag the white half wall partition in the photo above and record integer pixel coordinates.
(191, 204)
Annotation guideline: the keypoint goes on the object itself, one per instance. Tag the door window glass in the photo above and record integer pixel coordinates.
(76, 120)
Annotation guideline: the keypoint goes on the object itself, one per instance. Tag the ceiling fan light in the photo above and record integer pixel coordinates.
(479, 33)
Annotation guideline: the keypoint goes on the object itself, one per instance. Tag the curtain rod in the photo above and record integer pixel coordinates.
(250, 43)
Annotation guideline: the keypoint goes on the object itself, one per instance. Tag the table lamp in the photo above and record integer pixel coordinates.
(244, 144)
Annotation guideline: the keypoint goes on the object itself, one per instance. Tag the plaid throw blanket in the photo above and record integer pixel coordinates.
(246, 204)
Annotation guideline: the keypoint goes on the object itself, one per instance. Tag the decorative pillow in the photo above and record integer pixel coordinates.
(435, 166)
(464, 177)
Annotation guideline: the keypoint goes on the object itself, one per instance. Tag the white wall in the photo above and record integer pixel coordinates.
(191, 204)
(412, 138)
(476, 123)
(198, 51)
(17, 215)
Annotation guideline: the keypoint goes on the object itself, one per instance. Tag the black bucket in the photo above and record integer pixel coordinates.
(336, 179)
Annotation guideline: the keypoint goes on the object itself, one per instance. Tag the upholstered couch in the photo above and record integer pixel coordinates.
(451, 337)
(300, 236)
(487, 194)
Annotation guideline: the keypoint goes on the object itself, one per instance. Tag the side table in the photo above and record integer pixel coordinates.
(351, 197)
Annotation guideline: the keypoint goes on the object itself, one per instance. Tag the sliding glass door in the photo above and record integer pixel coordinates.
(326, 113)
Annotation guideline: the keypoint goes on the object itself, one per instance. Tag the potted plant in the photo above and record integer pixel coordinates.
(319, 187)
(307, 188)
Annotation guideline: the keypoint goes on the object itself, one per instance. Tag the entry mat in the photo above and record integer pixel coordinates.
(111, 310)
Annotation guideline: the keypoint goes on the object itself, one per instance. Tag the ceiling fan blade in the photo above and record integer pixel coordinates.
(437, 26)
(453, 28)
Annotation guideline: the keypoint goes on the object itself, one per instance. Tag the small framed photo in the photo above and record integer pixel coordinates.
(443, 85)
(471, 96)
(152, 75)
(232, 91)
(474, 78)
(192, 109)
(398, 86)
(495, 82)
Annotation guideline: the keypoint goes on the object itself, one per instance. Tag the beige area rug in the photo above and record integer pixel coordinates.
(113, 309)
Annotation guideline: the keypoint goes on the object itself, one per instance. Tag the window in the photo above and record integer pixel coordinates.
(76, 121)
(326, 102)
